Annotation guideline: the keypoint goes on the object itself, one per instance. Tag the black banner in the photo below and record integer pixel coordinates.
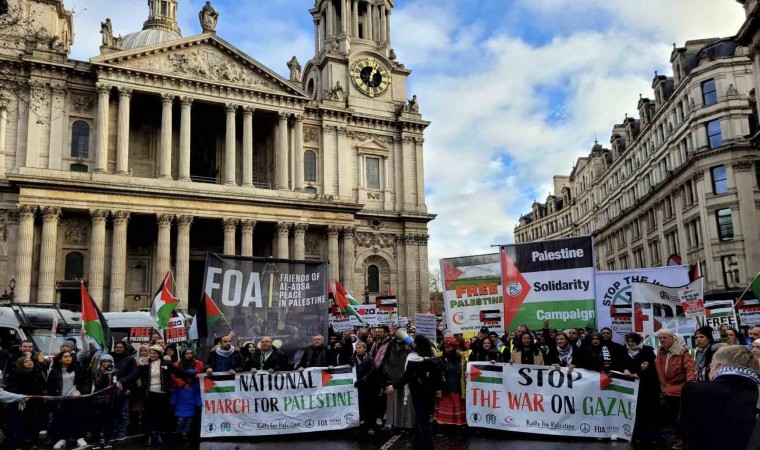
(557, 254)
(281, 298)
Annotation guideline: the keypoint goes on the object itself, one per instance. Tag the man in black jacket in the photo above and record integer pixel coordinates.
(224, 358)
(721, 413)
(125, 370)
(272, 359)
(317, 355)
(26, 348)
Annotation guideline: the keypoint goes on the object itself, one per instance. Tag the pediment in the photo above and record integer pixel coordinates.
(373, 147)
(205, 58)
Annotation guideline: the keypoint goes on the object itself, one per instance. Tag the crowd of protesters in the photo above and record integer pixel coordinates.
(154, 390)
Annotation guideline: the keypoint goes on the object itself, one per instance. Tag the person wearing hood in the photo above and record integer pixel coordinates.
(186, 401)
(224, 358)
(730, 399)
(640, 364)
(601, 356)
(125, 370)
(675, 367)
(68, 379)
(187, 362)
(104, 417)
(23, 424)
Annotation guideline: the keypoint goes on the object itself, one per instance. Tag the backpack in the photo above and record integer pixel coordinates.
(431, 375)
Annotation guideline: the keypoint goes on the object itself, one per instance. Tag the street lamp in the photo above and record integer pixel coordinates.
(12, 285)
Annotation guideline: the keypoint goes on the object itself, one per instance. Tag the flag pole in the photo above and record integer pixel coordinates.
(205, 294)
(746, 289)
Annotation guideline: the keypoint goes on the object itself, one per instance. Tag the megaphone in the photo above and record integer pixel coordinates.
(402, 336)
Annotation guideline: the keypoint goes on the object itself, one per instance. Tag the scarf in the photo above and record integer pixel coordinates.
(225, 353)
(634, 351)
(739, 372)
(565, 355)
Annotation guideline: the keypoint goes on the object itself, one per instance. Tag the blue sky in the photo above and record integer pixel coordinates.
(515, 89)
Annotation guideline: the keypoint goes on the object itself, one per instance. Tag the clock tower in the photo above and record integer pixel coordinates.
(354, 64)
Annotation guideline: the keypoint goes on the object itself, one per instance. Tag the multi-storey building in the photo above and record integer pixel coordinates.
(165, 146)
(682, 179)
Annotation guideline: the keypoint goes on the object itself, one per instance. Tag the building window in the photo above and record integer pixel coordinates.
(725, 224)
(373, 278)
(638, 258)
(309, 166)
(610, 265)
(688, 194)
(654, 253)
(709, 93)
(164, 9)
(80, 140)
(719, 180)
(623, 262)
(730, 271)
(635, 229)
(714, 137)
(672, 240)
(668, 207)
(694, 234)
(373, 172)
(74, 266)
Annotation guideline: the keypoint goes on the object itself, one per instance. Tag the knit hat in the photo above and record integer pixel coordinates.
(106, 357)
(157, 349)
(706, 331)
(451, 342)
(484, 330)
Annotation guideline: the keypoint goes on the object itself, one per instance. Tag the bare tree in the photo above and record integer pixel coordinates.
(436, 289)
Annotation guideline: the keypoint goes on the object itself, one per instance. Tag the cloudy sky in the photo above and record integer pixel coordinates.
(516, 89)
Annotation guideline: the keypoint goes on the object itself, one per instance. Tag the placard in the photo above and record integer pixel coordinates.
(140, 334)
(472, 294)
(426, 325)
(692, 303)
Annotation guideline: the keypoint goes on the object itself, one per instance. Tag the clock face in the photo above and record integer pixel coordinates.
(370, 77)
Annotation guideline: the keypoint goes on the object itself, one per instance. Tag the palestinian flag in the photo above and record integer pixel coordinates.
(755, 286)
(94, 322)
(486, 374)
(340, 289)
(164, 303)
(613, 384)
(219, 384)
(344, 307)
(338, 377)
(208, 315)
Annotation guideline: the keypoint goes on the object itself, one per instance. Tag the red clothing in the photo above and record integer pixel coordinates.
(450, 409)
(681, 368)
(197, 366)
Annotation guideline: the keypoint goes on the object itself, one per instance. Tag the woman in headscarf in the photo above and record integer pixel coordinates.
(68, 379)
(640, 364)
(137, 393)
(599, 356)
(450, 407)
(485, 352)
(23, 424)
(563, 353)
(187, 362)
(528, 352)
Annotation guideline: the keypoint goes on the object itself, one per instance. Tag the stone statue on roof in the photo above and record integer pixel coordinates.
(106, 29)
(209, 18)
(295, 69)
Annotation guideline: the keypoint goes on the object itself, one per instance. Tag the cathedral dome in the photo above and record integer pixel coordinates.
(143, 38)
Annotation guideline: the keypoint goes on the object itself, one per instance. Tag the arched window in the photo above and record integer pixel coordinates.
(373, 278)
(310, 88)
(309, 166)
(74, 266)
(80, 140)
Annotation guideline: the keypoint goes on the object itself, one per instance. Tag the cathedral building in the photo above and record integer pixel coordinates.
(167, 145)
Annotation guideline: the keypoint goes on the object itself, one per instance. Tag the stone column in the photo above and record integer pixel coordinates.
(343, 17)
(383, 27)
(410, 291)
(229, 145)
(283, 230)
(420, 175)
(388, 27)
(347, 262)
(316, 36)
(230, 227)
(422, 241)
(163, 248)
(24, 253)
(97, 255)
(248, 146)
(3, 122)
(246, 238)
(48, 251)
(118, 260)
(330, 20)
(281, 156)
(298, 151)
(165, 162)
(182, 275)
(101, 140)
(355, 21)
(122, 140)
(184, 138)
(299, 244)
(333, 255)
(368, 33)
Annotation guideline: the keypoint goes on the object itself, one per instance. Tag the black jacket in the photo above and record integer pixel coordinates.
(485, 355)
(593, 358)
(237, 361)
(317, 357)
(10, 364)
(125, 369)
(276, 361)
(392, 367)
(82, 379)
(552, 356)
(28, 382)
(719, 414)
(423, 377)
(364, 368)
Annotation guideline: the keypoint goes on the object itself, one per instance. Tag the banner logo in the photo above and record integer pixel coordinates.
(514, 289)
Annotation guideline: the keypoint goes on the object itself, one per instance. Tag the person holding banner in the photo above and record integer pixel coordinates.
(450, 407)
(224, 358)
(272, 359)
(729, 401)
(563, 353)
(251, 358)
(640, 363)
(29, 380)
(675, 367)
(68, 379)
(317, 355)
(600, 356)
(485, 352)
(528, 352)
(156, 383)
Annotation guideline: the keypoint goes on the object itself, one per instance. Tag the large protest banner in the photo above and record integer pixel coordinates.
(280, 298)
(472, 293)
(543, 400)
(549, 280)
(656, 307)
(613, 294)
(720, 312)
(263, 403)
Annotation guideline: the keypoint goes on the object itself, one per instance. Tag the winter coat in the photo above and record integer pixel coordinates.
(392, 367)
(317, 357)
(10, 364)
(276, 361)
(681, 369)
(538, 360)
(649, 383)
(485, 355)
(30, 382)
(197, 367)
(364, 367)
(213, 362)
(552, 356)
(125, 369)
(103, 380)
(166, 376)
(186, 399)
(730, 401)
(593, 358)
(82, 379)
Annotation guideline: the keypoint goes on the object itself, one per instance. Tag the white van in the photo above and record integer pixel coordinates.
(47, 325)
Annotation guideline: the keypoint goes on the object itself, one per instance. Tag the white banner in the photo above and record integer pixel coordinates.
(720, 312)
(542, 400)
(263, 403)
(613, 294)
(426, 325)
(656, 307)
(368, 313)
